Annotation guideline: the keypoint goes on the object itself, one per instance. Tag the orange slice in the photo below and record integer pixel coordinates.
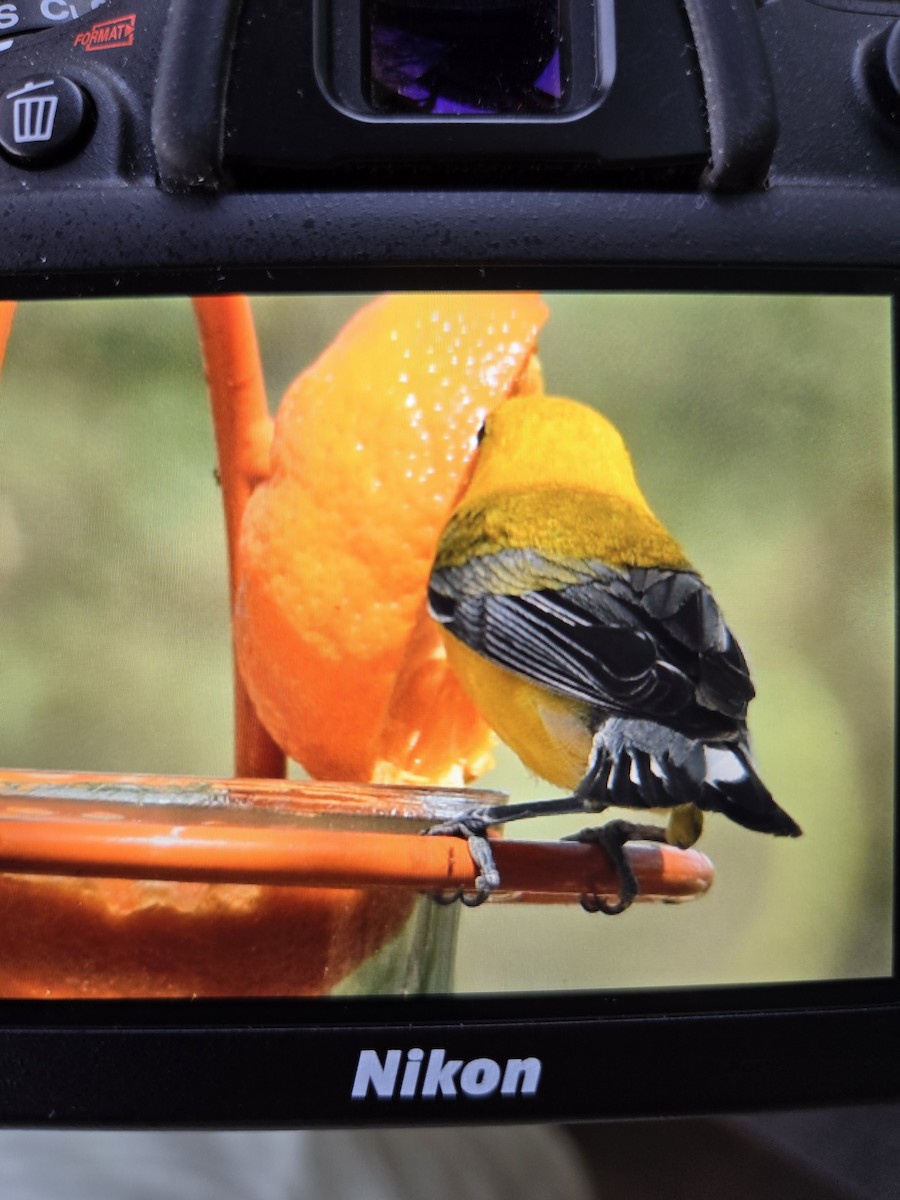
(371, 449)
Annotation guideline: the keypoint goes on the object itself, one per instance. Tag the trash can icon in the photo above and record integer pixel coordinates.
(33, 116)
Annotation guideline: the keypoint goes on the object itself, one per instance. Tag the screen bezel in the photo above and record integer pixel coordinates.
(286, 1062)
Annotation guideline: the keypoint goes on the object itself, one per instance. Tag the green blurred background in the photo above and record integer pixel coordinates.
(761, 428)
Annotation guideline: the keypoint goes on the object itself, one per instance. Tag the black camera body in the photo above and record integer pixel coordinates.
(162, 147)
(738, 135)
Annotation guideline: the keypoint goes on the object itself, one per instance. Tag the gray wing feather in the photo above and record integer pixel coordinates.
(643, 642)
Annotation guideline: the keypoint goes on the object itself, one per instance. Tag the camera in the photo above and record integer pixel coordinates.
(702, 191)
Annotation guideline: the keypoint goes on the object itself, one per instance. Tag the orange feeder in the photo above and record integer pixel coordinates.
(137, 886)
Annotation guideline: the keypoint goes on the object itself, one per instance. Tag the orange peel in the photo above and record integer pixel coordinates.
(371, 449)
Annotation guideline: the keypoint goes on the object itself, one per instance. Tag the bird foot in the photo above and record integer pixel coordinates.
(473, 827)
(613, 837)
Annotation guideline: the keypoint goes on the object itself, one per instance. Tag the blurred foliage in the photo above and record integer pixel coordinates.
(761, 431)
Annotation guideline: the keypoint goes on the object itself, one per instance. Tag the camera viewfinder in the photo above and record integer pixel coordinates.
(467, 57)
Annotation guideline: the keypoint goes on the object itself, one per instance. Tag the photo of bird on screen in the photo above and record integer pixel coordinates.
(590, 643)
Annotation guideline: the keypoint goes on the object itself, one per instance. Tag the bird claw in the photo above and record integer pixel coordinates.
(473, 827)
(613, 837)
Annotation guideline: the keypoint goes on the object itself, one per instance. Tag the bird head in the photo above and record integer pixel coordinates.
(543, 441)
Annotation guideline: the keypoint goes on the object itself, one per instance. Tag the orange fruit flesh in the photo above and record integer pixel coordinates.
(371, 450)
(110, 938)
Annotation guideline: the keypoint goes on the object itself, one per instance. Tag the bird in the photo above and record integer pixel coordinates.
(589, 642)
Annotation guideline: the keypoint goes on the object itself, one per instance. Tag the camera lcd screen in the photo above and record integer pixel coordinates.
(760, 430)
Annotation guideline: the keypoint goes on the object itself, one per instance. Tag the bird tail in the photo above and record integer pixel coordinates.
(640, 764)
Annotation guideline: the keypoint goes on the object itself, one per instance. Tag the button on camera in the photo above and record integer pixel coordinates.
(29, 16)
(43, 119)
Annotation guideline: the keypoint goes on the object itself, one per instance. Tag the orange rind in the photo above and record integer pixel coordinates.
(371, 449)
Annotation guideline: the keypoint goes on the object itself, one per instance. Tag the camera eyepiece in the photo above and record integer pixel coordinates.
(458, 57)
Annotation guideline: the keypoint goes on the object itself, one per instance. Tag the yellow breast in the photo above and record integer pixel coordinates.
(549, 732)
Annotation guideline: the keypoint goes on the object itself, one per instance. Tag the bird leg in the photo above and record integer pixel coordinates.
(487, 879)
(613, 837)
(473, 826)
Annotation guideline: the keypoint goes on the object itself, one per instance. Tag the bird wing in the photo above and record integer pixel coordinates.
(648, 642)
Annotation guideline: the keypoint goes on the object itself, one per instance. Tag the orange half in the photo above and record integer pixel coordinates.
(371, 450)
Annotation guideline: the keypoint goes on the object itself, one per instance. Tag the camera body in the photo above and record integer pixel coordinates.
(715, 135)
(266, 146)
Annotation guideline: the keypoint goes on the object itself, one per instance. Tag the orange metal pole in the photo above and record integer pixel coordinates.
(299, 834)
(7, 312)
(243, 430)
(304, 857)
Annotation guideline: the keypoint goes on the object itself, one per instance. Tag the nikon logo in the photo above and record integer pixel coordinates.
(414, 1075)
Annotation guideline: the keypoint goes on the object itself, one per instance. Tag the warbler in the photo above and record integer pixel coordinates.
(589, 642)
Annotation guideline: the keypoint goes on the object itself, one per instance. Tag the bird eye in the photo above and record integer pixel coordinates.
(482, 429)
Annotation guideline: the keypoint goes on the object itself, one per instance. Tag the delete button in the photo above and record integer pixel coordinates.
(44, 119)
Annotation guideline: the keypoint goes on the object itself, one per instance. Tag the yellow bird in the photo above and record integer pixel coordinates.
(581, 631)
